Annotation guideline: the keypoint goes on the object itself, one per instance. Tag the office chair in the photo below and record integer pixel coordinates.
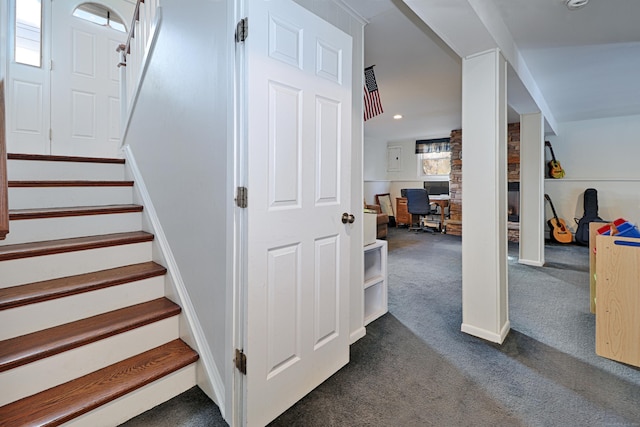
(418, 207)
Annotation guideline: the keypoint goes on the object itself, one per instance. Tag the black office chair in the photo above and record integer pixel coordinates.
(419, 208)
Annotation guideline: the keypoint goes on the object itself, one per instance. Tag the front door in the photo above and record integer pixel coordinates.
(66, 102)
(298, 144)
(85, 101)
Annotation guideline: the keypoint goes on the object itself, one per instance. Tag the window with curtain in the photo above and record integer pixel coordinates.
(434, 158)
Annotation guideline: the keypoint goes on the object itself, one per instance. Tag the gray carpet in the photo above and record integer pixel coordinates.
(415, 368)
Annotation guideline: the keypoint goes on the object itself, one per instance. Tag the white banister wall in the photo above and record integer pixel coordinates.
(134, 54)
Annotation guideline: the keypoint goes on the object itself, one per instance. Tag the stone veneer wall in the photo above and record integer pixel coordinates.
(454, 224)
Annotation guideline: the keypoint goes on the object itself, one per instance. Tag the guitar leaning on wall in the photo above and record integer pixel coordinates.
(555, 170)
(559, 231)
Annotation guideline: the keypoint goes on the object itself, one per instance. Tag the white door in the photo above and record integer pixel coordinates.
(85, 104)
(299, 130)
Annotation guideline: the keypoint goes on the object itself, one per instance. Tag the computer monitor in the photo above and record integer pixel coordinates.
(437, 187)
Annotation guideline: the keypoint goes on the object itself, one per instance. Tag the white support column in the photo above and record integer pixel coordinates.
(532, 189)
(485, 311)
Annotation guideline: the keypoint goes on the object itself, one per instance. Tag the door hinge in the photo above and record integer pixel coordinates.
(51, 65)
(241, 361)
(241, 197)
(50, 134)
(242, 30)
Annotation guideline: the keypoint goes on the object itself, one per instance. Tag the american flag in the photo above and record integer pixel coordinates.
(372, 105)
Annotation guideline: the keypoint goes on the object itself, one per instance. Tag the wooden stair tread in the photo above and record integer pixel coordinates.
(31, 293)
(35, 213)
(53, 158)
(25, 250)
(38, 345)
(69, 183)
(70, 400)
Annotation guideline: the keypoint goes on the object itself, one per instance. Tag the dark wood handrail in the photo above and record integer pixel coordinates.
(4, 188)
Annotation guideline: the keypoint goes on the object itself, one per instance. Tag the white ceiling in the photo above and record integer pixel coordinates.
(585, 63)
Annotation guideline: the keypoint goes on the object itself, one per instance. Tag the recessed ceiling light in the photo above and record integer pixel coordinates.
(397, 116)
(576, 4)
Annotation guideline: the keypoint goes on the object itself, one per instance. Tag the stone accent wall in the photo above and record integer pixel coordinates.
(454, 224)
(513, 174)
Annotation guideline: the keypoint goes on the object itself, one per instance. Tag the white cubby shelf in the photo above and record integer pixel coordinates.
(375, 280)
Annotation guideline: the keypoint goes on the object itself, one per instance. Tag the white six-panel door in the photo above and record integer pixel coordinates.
(85, 103)
(299, 127)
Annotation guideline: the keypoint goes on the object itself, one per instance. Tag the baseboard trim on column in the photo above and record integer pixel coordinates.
(485, 334)
(531, 262)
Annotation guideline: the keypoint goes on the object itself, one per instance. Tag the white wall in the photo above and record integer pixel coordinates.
(601, 154)
(180, 137)
(374, 169)
(384, 175)
(375, 159)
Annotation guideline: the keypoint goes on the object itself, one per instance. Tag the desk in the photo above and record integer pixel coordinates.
(403, 216)
(443, 202)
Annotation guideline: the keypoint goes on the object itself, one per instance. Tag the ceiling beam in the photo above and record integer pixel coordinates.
(473, 26)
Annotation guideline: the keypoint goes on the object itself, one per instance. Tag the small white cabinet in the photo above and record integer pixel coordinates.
(375, 280)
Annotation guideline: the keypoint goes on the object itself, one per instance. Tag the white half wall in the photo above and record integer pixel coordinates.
(601, 154)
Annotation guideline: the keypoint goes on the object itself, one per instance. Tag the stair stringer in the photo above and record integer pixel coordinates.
(208, 375)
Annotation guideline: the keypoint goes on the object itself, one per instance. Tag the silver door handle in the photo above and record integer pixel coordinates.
(348, 218)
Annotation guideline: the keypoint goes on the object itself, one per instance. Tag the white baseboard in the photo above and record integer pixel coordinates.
(357, 334)
(196, 338)
(485, 334)
(530, 262)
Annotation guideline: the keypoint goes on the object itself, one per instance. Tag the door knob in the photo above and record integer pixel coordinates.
(348, 218)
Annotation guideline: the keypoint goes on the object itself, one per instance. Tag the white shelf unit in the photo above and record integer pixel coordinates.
(375, 280)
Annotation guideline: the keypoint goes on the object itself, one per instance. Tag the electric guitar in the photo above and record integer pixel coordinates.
(559, 231)
(555, 170)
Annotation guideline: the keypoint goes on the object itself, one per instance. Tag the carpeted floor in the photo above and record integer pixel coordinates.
(415, 368)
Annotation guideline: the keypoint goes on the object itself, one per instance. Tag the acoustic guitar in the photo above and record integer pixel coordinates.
(558, 227)
(555, 170)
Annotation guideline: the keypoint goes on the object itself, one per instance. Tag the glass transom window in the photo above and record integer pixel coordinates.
(100, 15)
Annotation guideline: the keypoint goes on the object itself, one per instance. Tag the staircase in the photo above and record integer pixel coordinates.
(87, 336)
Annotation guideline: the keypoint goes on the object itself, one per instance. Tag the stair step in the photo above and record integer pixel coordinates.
(26, 250)
(53, 158)
(42, 168)
(77, 397)
(28, 348)
(35, 213)
(31, 293)
(68, 183)
(23, 197)
(45, 224)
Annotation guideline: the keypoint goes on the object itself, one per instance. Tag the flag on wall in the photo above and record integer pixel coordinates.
(372, 104)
